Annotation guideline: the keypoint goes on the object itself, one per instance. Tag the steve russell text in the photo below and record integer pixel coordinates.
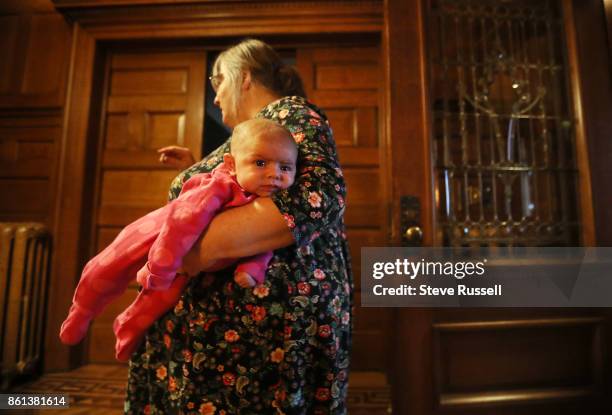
(427, 290)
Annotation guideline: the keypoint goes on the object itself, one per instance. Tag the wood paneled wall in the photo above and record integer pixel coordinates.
(34, 64)
(34, 52)
(34, 55)
(595, 97)
(28, 156)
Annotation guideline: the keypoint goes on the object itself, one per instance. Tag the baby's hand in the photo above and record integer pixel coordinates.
(244, 280)
(141, 278)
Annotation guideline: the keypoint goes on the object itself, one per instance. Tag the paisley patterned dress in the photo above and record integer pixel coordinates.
(281, 347)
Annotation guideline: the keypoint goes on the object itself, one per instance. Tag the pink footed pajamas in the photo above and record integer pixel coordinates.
(163, 237)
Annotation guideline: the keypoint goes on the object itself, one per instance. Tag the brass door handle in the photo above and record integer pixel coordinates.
(410, 221)
(414, 235)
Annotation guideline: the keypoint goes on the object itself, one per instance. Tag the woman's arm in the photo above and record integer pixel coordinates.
(295, 215)
(240, 232)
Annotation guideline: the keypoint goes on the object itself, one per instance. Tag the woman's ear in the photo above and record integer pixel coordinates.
(230, 162)
(246, 80)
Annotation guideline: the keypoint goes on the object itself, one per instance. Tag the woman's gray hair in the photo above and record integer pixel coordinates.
(265, 66)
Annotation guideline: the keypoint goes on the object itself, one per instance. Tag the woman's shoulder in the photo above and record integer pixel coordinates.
(292, 108)
(296, 114)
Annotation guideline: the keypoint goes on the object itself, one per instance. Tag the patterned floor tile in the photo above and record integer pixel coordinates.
(100, 390)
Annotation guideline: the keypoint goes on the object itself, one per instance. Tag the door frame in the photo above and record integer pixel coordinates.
(97, 26)
(404, 46)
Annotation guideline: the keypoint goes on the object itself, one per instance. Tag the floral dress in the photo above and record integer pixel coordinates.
(281, 347)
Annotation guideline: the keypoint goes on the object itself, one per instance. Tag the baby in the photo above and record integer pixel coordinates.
(262, 161)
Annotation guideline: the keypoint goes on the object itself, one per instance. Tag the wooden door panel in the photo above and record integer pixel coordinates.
(123, 187)
(153, 100)
(9, 37)
(355, 127)
(473, 361)
(129, 194)
(101, 338)
(34, 57)
(149, 103)
(336, 75)
(129, 82)
(27, 151)
(508, 357)
(545, 356)
(345, 83)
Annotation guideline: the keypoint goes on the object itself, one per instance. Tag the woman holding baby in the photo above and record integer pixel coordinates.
(281, 346)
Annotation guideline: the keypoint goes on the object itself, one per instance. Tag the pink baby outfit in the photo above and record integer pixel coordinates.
(163, 236)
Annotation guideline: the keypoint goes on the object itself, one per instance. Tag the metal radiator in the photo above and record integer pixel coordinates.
(25, 253)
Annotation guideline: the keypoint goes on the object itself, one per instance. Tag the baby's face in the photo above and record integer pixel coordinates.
(264, 166)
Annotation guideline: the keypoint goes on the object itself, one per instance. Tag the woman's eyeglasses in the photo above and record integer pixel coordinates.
(215, 81)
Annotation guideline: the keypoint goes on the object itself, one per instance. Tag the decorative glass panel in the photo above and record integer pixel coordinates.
(503, 135)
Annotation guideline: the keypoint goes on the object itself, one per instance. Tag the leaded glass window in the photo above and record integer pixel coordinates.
(503, 133)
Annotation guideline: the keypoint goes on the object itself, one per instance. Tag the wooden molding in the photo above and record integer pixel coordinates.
(91, 4)
(406, 93)
(514, 397)
(587, 216)
(163, 19)
(406, 111)
(515, 324)
(25, 6)
(69, 208)
(17, 117)
(608, 9)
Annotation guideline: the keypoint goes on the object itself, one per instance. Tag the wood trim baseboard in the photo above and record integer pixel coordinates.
(526, 396)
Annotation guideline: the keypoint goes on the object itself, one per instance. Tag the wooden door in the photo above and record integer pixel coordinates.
(346, 82)
(152, 100)
(474, 361)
